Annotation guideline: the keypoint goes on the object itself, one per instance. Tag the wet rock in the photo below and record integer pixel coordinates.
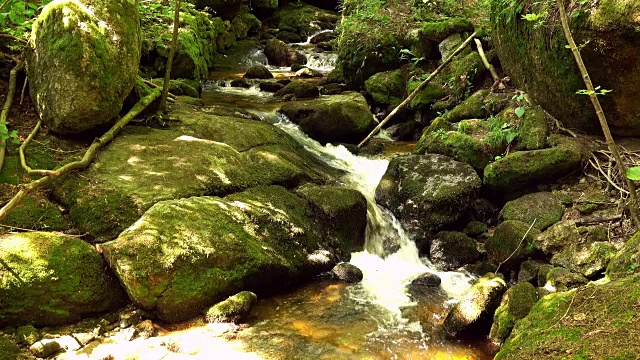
(387, 88)
(51, 279)
(424, 284)
(269, 86)
(326, 46)
(258, 72)
(241, 82)
(258, 240)
(145, 329)
(347, 272)
(27, 335)
(180, 87)
(542, 207)
(427, 192)
(627, 261)
(296, 67)
(562, 279)
(472, 316)
(343, 118)
(336, 76)
(475, 229)
(299, 90)
(323, 37)
(402, 131)
(480, 268)
(509, 246)
(515, 305)
(451, 250)
(234, 309)
(280, 54)
(80, 73)
(308, 73)
(45, 348)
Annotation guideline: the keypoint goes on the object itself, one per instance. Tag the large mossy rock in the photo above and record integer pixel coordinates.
(523, 169)
(450, 250)
(280, 54)
(472, 316)
(199, 154)
(184, 255)
(49, 279)
(83, 63)
(511, 244)
(537, 60)
(560, 324)
(428, 192)
(387, 88)
(234, 309)
(303, 19)
(515, 305)
(627, 261)
(343, 118)
(541, 209)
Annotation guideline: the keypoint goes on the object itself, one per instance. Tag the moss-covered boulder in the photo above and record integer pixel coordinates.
(181, 87)
(507, 246)
(343, 118)
(450, 250)
(258, 72)
(199, 154)
(303, 19)
(426, 97)
(260, 240)
(83, 63)
(562, 279)
(299, 90)
(542, 207)
(475, 228)
(560, 323)
(533, 130)
(515, 305)
(50, 279)
(529, 271)
(537, 60)
(428, 192)
(280, 54)
(387, 88)
(523, 169)
(472, 316)
(627, 261)
(234, 309)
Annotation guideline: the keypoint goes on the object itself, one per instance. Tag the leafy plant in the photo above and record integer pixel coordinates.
(502, 134)
(17, 17)
(596, 91)
(633, 173)
(6, 135)
(537, 18)
(406, 54)
(520, 110)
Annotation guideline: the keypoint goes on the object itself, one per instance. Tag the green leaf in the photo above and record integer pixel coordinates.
(633, 173)
(520, 111)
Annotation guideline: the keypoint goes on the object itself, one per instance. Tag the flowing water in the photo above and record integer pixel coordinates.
(375, 319)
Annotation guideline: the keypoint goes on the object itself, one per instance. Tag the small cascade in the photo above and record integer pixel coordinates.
(255, 57)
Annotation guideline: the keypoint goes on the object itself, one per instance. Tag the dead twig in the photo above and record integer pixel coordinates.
(597, 219)
(517, 248)
(4, 115)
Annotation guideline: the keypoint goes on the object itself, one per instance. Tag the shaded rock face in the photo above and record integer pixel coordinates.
(472, 316)
(427, 192)
(609, 303)
(216, 155)
(343, 118)
(53, 280)
(538, 62)
(562, 279)
(626, 261)
(83, 63)
(511, 244)
(184, 255)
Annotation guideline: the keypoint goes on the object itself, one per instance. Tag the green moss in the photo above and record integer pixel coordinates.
(506, 245)
(542, 207)
(627, 261)
(438, 125)
(38, 214)
(475, 229)
(387, 88)
(233, 309)
(516, 304)
(471, 108)
(460, 147)
(53, 280)
(426, 97)
(439, 30)
(601, 307)
(533, 130)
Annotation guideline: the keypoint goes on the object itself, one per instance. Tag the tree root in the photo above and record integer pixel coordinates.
(76, 165)
(4, 115)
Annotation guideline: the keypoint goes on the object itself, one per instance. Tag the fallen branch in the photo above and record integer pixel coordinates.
(11, 37)
(417, 90)
(492, 70)
(4, 115)
(23, 160)
(4, 3)
(633, 207)
(597, 219)
(24, 87)
(86, 159)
